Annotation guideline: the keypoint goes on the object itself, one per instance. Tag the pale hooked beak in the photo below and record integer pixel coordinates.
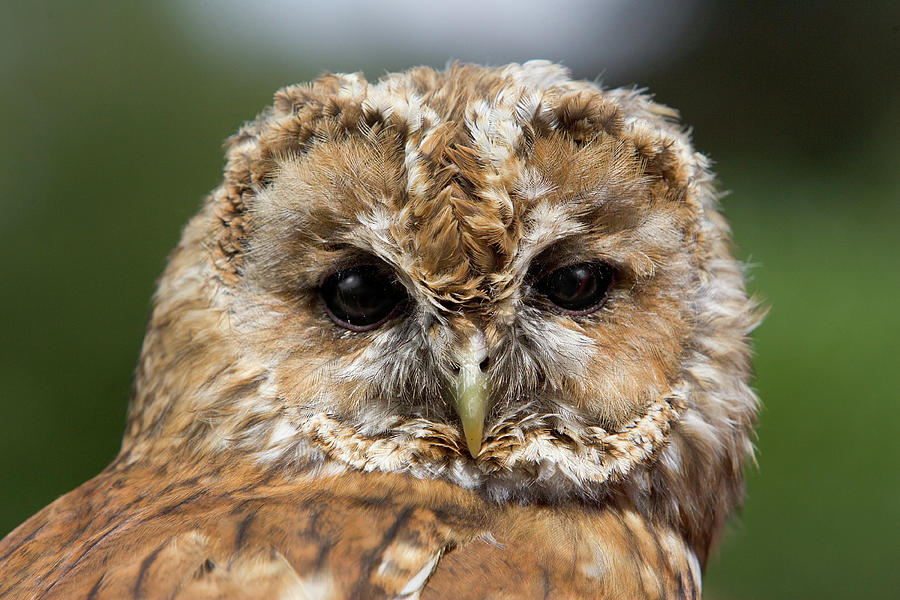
(469, 391)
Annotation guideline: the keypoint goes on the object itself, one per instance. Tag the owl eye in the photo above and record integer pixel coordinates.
(361, 298)
(577, 289)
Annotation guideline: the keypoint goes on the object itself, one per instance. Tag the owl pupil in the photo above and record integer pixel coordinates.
(360, 298)
(577, 288)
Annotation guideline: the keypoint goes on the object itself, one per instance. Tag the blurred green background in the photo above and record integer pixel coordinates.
(112, 120)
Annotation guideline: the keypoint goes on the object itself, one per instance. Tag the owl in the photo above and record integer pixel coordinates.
(472, 333)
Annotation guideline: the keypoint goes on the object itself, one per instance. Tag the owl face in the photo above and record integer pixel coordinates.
(563, 282)
(498, 276)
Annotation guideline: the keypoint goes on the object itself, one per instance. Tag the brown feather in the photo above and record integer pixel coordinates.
(272, 452)
(163, 532)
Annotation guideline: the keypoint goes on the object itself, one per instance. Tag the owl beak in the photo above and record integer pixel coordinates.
(470, 393)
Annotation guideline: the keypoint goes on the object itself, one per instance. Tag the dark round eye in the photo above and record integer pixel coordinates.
(577, 289)
(361, 298)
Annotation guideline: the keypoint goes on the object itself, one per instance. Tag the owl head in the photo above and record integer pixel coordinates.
(498, 277)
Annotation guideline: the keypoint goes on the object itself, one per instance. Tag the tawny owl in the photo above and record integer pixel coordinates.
(473, 333)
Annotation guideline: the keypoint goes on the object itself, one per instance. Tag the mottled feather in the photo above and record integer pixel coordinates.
(272, 452)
